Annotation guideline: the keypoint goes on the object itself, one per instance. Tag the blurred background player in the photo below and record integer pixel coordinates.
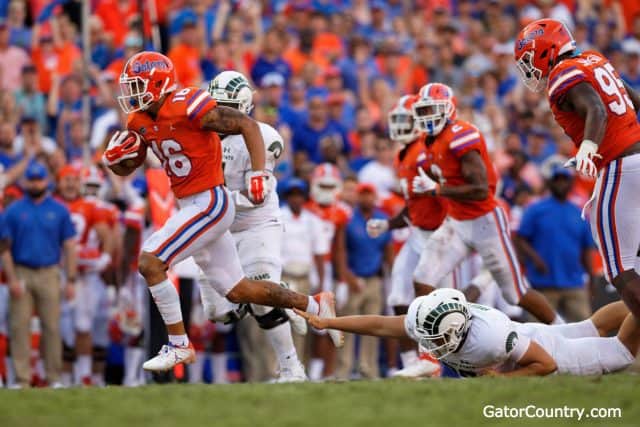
(422, 214)
(257, 228)
(598, 111)
(194, 166)
(460, 171)
(326, 185)
(94, 241)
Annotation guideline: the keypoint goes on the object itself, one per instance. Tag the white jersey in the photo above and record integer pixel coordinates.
(236, 162)
(496, 342)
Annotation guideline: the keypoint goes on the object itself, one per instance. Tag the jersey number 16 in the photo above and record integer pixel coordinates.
(169, 151)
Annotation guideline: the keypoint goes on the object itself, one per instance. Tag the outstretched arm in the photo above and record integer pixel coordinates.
(378, 326)
(230, 121)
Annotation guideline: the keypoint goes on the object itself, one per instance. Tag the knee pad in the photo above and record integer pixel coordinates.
(275, 317)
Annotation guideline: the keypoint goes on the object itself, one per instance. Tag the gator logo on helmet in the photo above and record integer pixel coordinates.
(147, 66)
(528, 38)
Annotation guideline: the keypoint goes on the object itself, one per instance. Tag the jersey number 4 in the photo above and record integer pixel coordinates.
(170, 153)
(613, 86)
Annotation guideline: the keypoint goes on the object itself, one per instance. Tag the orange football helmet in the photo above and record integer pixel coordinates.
(435, 106)
(402, 126)
(537, 49)
(147, 77)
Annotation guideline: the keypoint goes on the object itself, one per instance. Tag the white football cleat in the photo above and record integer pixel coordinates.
(327, 304)
(295, 374)
(169, 356)
(420, 369)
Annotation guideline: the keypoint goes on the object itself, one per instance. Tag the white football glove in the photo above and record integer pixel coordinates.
(377, 227)
(122, 145)
(583, 161)
(259, 185)
(423, 184)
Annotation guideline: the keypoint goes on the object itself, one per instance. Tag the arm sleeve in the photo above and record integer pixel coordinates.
(587, 238)
(274, 145)
(563, 79)
(68, 230)
(466, 140)
(197, 104)
(319, 237)
(526, 228)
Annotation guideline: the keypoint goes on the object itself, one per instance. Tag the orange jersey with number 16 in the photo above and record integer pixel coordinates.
(191, 156)
(623, 129)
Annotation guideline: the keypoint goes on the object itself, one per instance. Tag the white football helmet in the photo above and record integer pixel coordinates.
(326, 184)
(441, 321)
(232, 89)
(402, 126)
(435, 106)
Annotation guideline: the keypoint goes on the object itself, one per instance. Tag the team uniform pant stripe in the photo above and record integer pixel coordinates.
(513, 266)
(604, 222)
(216, 219)
(184, 228)
(514, 259)
(612, 216)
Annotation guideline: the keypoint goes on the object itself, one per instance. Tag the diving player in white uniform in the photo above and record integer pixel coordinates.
(477, 340)
(257, 230)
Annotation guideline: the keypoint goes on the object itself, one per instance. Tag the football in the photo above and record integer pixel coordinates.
(128, 166)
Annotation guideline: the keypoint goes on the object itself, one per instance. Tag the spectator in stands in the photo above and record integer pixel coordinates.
(270, 59)
(29, 100)
(308, 137)
(12, 59)
(35, 232)
(16, 20)
(185, 54)
(379, 171)
(32, 138)
(362, 268)
(556, 244)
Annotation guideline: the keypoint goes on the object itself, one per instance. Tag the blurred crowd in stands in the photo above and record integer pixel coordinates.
(326, 73)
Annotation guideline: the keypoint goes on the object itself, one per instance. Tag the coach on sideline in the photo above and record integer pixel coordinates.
(34, 229)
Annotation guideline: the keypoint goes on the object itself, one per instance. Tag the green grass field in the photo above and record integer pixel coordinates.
(363, 403)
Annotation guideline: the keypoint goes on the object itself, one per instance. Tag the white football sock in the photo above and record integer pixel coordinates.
(408, 358)
(312, 306)
(83, 364)
(167, 300)
(219, 367)
(179, 340)
(316, 366)
(97, 379)
(195, 369)
(282, 344)
(133, 357)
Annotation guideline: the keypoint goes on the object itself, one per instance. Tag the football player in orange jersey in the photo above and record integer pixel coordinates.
(423, 214)
(95, 248)
(326, 185)
(598, 111)
(459, 169)
(180, 126)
